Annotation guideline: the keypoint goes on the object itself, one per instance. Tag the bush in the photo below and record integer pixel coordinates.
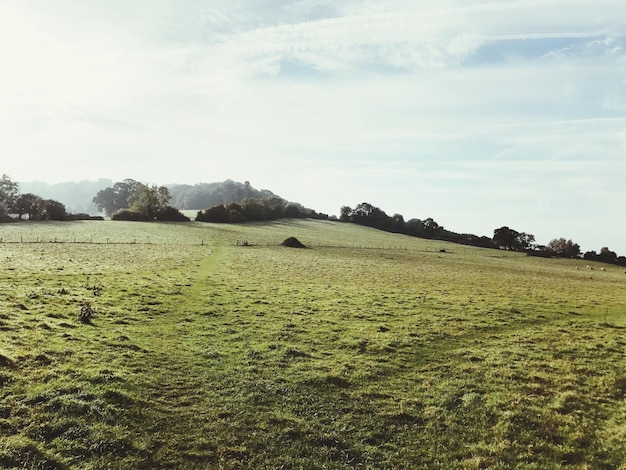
(83, 216)
(170, 214)
(130, 215)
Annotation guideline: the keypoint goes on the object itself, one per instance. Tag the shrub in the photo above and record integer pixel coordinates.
(130, 215)
(170, 214)
(83, 216)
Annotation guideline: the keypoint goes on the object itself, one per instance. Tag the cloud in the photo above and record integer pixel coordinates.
(475, 113)
(413, 38)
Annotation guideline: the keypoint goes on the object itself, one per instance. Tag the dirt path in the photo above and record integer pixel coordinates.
(178, 397)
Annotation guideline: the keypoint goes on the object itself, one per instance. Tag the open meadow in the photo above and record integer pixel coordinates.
(367, 350)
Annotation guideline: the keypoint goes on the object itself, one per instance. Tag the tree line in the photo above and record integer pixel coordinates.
(131, 200)
(135, 201)
(203, 195)
(503, 238)
(17, 205)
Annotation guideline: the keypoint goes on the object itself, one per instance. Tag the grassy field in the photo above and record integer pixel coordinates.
(368, 350)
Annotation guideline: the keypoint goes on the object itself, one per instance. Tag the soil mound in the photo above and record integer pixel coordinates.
(293, 242)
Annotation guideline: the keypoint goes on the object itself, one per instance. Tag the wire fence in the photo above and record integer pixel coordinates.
(96, 241)
(199, 242)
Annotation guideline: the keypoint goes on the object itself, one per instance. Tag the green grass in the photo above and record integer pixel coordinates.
(369, 350)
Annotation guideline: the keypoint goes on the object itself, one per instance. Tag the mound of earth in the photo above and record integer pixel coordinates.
(293, 242)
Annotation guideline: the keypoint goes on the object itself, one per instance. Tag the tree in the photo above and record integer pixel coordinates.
(149, 200)
(510, 239)
(607, 256)
(9, 191)
(111, 200)
(293, 210)
(368, 215)
(29, 204)
(274, 207)
(216, 214)
(505, 237)
(564, 248)
(254, 209)
(397, 223)
(431, 228)
(54, 210)
(344, 213)
(235, 213)
(414, 227)
(526, 241)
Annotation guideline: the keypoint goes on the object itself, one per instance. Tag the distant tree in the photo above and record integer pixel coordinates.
(397, 223)
(235, 213)
(607, 256)
(54, 210)
(254, 209)
(216, 214)
(414, 227)
(205, 195)
(149, 200)
(431, 228)
(505, 237)
(526, 241)
(29, 204)
(344, 213)
(564, 248)
(510, 239)
(293, 210)
(107, 200)
(370, 216)
(9, 191)
(590, 255)
(116, 198)
(274, 207)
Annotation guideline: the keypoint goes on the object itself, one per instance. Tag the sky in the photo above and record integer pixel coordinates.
(479, 114)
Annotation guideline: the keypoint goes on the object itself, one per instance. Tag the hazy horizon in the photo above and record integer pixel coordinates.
(478, 114)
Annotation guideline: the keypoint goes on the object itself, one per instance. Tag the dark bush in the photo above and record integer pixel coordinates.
(216, 214)
(170, 214)
(83, 216)
(130, 215)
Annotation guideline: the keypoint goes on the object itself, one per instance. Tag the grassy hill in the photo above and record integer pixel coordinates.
(367, 350)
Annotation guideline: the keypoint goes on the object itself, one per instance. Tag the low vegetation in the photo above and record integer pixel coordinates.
(167, 345)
